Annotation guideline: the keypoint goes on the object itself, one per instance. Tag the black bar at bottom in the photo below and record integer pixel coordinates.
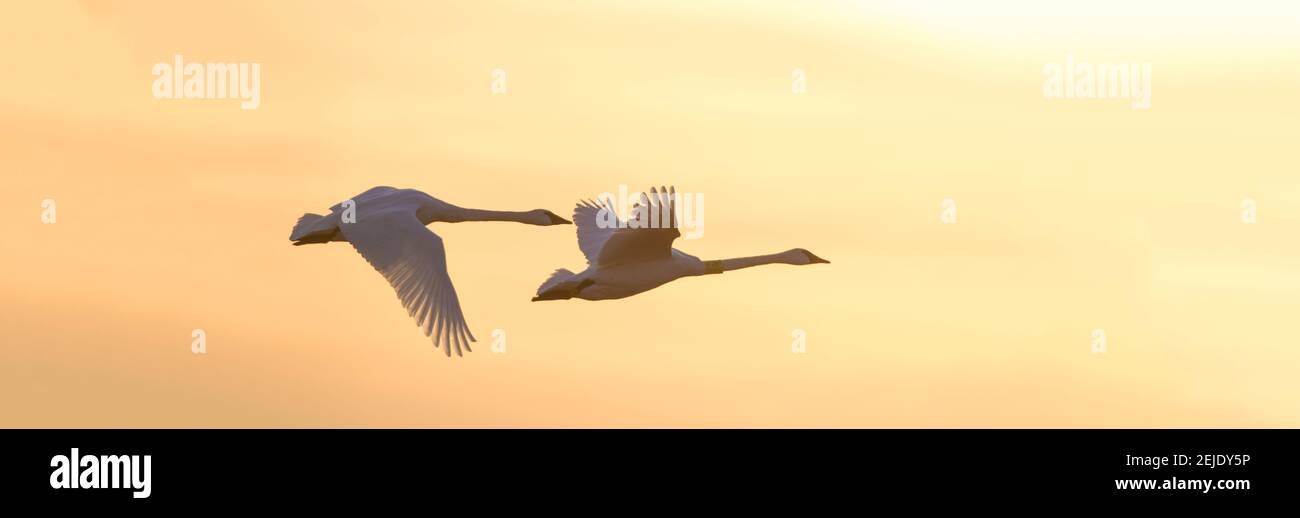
(190, 466)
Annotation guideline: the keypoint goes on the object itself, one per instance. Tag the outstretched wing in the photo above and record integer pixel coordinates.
(605, 241)
(371, 194)
(594, 227)
(413, 260)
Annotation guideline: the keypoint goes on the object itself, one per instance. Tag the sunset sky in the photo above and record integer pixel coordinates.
(1072, 215)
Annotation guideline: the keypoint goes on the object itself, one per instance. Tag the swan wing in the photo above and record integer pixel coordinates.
(592, 232)
(371, 194)
(412, 258)
(626, 245)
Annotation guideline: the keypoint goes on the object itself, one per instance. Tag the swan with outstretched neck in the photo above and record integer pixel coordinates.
(623, 261)
(387, 227)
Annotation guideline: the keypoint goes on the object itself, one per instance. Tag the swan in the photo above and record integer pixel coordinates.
(622, 262)
(387, 227)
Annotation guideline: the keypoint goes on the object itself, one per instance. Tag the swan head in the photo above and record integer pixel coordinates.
(545, 217)
(802, 256)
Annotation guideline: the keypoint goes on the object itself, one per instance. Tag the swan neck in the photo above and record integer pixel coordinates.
(491, 215)
(726, 265)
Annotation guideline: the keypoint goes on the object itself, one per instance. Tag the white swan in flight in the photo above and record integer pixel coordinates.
(387, 226)
(622, 262)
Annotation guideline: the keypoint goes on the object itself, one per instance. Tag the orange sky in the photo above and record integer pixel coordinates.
(1072, 214)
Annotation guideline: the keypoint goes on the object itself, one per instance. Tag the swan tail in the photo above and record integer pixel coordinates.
(304, 227)
(559, 276)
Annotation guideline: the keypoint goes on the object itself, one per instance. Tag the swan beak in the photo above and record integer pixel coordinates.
(556, 220)
(813, 259)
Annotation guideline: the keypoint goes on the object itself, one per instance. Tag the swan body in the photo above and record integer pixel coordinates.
(623, 261)
(387, 227)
